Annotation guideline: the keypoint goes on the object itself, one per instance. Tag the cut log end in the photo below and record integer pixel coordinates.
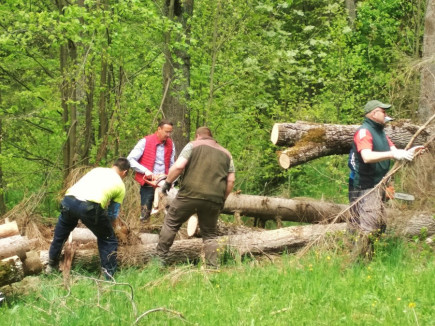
(274, 134)
(284, 161)
(192, 225)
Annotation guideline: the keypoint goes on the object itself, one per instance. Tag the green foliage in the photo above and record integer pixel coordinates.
(252, 64)
(320, 288)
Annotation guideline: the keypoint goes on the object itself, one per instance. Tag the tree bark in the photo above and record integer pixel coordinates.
(288, 239)
(270, 208)
(2, 184)
(9, 229)
(11, 270)
(68, 60)
(427, 87)
(177, 75)
(310, 141)
(350, 6)
(16, 245)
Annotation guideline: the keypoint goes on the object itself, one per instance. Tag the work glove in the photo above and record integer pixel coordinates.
(165, 188)
(402, 154)
(416, 149)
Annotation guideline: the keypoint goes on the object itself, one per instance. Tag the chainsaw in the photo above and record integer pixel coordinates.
(155, 181)
(392, 194)
(402, 196)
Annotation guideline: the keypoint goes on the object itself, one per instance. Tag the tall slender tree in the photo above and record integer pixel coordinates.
(176, 70)
(427, 88)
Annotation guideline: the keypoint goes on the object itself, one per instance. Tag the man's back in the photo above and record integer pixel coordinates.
(205, 176)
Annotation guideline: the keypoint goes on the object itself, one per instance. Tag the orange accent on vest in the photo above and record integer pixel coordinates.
(149, 155)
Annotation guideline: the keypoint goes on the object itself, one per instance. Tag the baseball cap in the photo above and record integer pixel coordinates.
(373, 104)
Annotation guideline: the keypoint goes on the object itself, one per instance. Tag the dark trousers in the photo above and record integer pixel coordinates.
(368, 214)
(95, 218)
(147, 196)
(178, 213)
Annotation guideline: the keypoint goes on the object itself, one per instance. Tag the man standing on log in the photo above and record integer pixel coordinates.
(208, 179)
(95, 200)
(151, 158)
(372, 151)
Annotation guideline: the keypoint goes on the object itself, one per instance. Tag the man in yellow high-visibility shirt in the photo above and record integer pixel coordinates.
(95, 200)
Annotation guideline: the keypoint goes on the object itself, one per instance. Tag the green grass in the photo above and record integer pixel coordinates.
(322, 288)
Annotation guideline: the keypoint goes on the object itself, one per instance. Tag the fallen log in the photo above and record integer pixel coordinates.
(281, 209)
(274, 208)
(16, 245)
(288, 239)
(82, 235)
(11, 270)
(308, 141)
(32, 264)
(9, 229)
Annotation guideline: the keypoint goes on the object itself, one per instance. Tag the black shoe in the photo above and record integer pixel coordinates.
(144, 214)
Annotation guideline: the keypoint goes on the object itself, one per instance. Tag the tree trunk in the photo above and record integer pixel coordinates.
(89, 129)
(272, 208)
(16, 245)
(427, 88)
(350, 6)
(32, 264)
(177, 75)
(214, 54)
(11, 270)
(288, 239)
(2, 185)
(310, 141)
(9, 229)
(68, 58)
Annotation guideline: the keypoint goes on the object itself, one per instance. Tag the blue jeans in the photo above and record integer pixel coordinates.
(147, 196)
(96, 219)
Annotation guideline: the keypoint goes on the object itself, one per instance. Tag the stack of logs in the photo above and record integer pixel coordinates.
(16, 257)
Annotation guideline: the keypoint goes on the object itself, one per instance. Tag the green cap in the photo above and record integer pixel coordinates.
(373, 104)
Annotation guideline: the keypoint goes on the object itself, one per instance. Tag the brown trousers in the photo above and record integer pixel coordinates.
(368, 215)
(178, 213)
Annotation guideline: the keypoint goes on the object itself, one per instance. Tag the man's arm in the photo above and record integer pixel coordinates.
(370, 156)
(176, 169)
(113, 210)
(135, 155)
(230, 183)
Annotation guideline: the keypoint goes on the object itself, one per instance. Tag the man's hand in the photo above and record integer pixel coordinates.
(148, 175)
(416, 150)
(402, 154)
(165, 188)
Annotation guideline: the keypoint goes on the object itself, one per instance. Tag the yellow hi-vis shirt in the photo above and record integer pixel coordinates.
(100, 185)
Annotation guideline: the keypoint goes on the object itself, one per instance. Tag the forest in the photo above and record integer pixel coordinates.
(82, 81)
(282, 85)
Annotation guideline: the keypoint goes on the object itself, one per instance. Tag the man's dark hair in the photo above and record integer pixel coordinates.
(122, 163)
(204, 132)
(165, 122)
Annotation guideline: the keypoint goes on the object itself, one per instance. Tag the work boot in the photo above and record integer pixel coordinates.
(52, 266)
(144, 214)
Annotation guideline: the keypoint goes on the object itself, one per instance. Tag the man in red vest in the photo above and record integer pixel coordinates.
(152, 156)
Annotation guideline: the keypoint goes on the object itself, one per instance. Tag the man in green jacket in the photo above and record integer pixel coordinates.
(208, 179)
(372, 150)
